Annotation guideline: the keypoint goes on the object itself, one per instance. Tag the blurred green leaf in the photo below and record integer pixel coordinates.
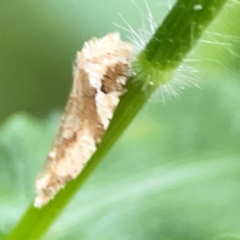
(24, 142)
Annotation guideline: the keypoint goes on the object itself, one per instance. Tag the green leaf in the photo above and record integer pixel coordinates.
(24, 142)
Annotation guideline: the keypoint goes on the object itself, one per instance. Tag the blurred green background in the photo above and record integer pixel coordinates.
(175, 172)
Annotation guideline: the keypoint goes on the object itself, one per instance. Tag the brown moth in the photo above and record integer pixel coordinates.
(99, 76)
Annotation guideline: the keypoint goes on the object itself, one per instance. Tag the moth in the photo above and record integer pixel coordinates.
(99, 75)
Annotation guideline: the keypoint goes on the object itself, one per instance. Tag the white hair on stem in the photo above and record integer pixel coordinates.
(185, 75)
(140, 38)
(225, 41)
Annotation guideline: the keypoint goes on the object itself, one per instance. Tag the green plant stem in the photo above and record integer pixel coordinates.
(36, 221)
(160, 50)
(180, 30)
